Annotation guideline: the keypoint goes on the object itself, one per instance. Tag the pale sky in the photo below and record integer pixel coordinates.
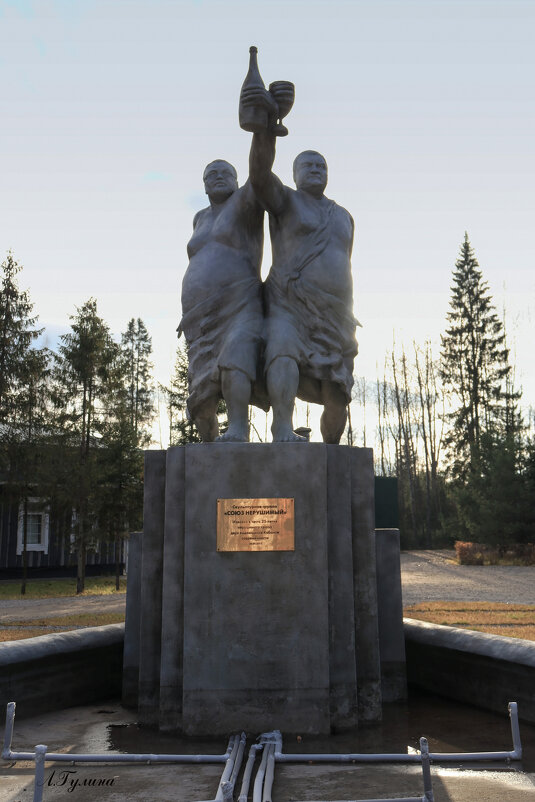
(425, 112)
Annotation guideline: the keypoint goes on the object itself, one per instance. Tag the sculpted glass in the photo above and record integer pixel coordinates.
(283, 93)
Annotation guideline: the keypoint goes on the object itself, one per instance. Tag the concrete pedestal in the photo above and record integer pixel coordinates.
(390, 612)
(259, 640)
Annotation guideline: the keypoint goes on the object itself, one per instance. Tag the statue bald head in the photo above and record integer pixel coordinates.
(220, 180)
(310, 172)
(216, 164)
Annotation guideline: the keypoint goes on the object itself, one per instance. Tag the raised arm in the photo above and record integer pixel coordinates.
(268, 188)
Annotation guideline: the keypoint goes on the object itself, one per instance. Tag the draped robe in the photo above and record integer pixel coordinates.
(307, 323)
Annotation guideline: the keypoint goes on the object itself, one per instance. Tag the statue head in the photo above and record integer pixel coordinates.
(310, 172)
(220, 180)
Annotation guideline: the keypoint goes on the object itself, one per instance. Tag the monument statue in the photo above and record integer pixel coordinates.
(222, 304)
(301, 323)
(234, 522)
(310, 328)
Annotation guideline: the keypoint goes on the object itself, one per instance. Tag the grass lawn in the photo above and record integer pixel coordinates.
(54, 588)
(511, 620)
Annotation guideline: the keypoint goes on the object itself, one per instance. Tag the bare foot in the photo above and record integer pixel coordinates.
(285, 434)
(232, 437)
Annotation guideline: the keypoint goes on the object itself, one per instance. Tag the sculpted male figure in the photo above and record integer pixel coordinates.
(310, 328)
(222, 303)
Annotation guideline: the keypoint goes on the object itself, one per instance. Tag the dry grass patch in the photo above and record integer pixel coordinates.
(19, 630)
(468, 553)
(76, 619)
(511, 620)
(57, 588)
(13, 633)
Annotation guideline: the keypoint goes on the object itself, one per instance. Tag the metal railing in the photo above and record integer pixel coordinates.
(438, 757)
(225, 791)
(270, 744)
(107, 757)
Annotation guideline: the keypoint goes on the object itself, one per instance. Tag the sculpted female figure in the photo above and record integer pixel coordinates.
(222, 303)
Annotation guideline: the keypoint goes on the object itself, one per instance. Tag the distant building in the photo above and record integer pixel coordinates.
(51, 550)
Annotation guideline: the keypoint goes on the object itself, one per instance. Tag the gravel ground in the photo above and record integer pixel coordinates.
(425, 576)
(434, 576)
(28, 609)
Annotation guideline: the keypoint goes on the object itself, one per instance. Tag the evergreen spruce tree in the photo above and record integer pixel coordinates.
(475, 364)
(483, 436)
(119, 464)
(136, 348)
(28, 439)
(17, 333)
(124, 433)
(23, 395)
(84, 378)
(181, 428)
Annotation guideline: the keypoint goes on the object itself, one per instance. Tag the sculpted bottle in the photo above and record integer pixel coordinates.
(252, 118)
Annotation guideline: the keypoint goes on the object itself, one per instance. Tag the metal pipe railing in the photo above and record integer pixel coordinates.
(225, 791)
(238, 761)
(232, 767)
(516, 754)
(441, 757)
(107, 757)
(265, 775)
(8, 730)
(426, 771)
(270, 774)
(247, 774)
(438, 757)
(39, 781)
(260, 774)
(273, 745)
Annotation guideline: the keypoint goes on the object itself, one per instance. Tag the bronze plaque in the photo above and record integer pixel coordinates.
(255, 524)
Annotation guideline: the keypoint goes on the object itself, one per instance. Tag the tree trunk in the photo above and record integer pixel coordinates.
(24, 547)
(80, 570)
(406, 450)
(424, 393)
(117, 560)
(349, 425)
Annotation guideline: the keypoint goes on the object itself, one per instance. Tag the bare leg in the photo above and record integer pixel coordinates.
(334, 417)
(206, 420)
(236, 389)
(282, 382)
